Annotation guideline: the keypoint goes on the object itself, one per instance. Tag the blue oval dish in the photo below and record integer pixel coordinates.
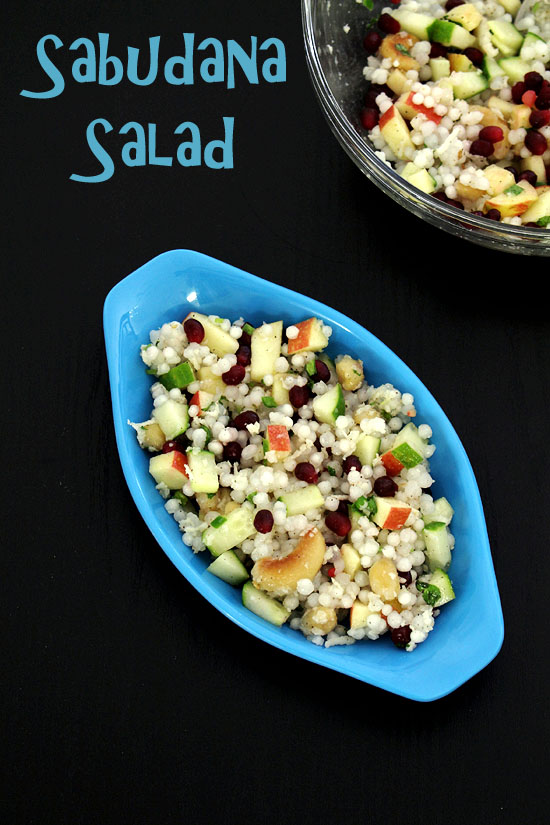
(470, 630)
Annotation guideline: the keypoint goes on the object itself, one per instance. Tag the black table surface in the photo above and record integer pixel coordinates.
(126, 697)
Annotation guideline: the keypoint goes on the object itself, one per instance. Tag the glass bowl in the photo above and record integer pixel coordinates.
(333, 34)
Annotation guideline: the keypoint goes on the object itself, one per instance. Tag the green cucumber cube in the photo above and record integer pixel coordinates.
(178, 377)
(263, 605)
(238, 526)
(229, 568)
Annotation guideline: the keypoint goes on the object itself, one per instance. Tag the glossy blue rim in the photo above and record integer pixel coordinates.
(470, 630)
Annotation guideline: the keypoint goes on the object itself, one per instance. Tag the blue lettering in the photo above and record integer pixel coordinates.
(189, 151)
(226, 146)
(103, 157)
(246, 62)
(51, 70)
(105, 61)
(133, 57)
(84, 68)
(133, 152)
(186, 64)
(274, 68)
(212, 68)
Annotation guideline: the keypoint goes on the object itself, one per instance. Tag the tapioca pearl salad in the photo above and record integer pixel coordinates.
(308, 486)
(459, 103)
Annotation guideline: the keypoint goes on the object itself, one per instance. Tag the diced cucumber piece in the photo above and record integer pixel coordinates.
(302, 500)
(263, 605)
(491, 69)
(440, 67)
(514, 67)
(327, 407)
(505, 37)
(468, 84)
(441, 580)
(450, 34)
(438, 546)
(410, 21)
(172, 417)
(442, 512)
(266, 348)
(529, 46)
(229, 567)
(408, 447)
(367, 448)
(202, 471)
(237, 527)
(178, 377)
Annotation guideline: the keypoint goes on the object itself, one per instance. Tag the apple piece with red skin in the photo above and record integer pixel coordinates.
(202, 400)
(310, 338)
(409, 109)
(391, 513)
(170, 468)
(513, 201)
(215, 338)
(277, 440)
(395, 132)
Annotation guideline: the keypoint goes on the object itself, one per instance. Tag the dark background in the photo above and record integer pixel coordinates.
(126, 697)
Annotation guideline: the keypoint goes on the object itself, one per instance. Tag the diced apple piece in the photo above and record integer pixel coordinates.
(540, 210)
(170, 469)
(391, 513)
(319, 620)
(460, 63)
(352, 560)
(150, 435)
(202, 400)
(398, 82)
(210, 382)
(423, 181)
(396, 133)
(310, 338)
(466, 16)
(499, 179)
(278, 440)
(440, 67)
(520, 117)
(215, 338)
(468, 193)
(279, 391)
(407, 451)
(304, 562)
(513, 201)
(534, 164)
(504, 107)
(266, 348)
(384, 579)
(409, 109)
(350, 373)
(397, 47)
(202, 471)
(359, 613)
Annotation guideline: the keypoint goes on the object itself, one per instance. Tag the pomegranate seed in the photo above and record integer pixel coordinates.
(452, 4)
(322, 372)
(543, 100)
(369, 118)
(532, 223)
(405, 578)
(533, 80)
(438, 50)
(244, 355)
(475, 55)
(232, 451)
(517, 91)
(343, 506)
(331, 572)
(263, 521)
(456, 204)
(338, 522)
(351, 463)
(169, 446)
(234, 375)
(529, 98)
(305, 471)
(374, 90)
(529, 176)
(385, 487)
(247, 417)
(493, 215)
(481, 147)
(372, 42)
(539, 119)
(491, 133)
(513, 171)
(401, 636)
(245, 338)
(389, 24)
(478, 213)
(194, 330)
(298, 396)
(536, 143)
